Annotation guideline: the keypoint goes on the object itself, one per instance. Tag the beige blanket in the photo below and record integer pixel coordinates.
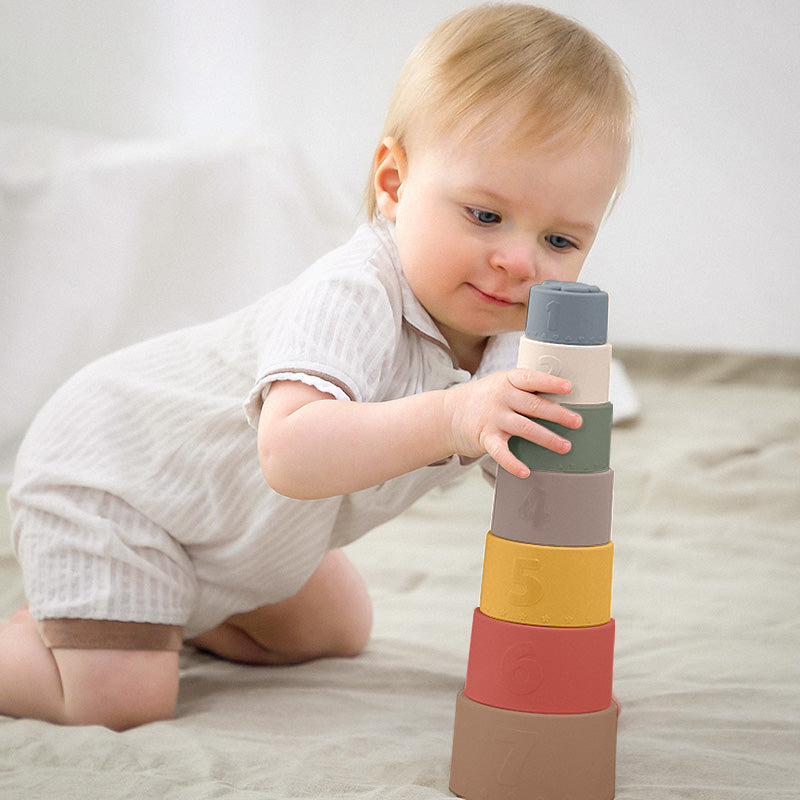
(706, 601)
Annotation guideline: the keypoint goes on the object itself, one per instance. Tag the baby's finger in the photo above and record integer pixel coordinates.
(533, 405)
(529, 380)
(538, 434)
(498, 450)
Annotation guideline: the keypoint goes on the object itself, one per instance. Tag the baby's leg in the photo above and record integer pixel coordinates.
(115, 688)
(331, 615)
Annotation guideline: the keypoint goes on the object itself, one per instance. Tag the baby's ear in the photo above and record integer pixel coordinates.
(390, 173)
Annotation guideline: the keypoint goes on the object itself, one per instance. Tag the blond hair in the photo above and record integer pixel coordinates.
(561, 79)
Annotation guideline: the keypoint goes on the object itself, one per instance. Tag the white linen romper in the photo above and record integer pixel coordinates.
(137, 494)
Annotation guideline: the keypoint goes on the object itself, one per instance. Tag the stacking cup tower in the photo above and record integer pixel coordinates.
(536, 718)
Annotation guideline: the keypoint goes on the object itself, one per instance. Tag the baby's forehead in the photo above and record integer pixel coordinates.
(487, 126)
(526, 123)
(501, 133)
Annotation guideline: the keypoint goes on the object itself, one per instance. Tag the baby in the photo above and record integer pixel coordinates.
(199, 487)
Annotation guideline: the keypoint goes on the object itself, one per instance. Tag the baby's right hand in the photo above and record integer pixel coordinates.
(485, 414)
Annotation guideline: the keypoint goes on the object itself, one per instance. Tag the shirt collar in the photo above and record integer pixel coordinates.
(500, 351)
(414, 313)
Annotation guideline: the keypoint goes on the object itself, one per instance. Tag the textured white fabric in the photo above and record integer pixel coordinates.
(707, 654)
(137, 493)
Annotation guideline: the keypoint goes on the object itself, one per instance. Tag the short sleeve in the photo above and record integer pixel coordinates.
(337, 331)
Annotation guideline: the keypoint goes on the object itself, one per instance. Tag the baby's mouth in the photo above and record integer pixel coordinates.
(492, 298)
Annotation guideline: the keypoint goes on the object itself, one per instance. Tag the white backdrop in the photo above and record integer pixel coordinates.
(701, 253)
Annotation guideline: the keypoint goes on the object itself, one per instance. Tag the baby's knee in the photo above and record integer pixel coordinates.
(355, 630)
(118, 689)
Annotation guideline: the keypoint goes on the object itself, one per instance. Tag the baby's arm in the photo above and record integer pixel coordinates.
(312, 446)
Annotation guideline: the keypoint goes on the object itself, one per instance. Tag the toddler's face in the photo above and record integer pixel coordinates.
(478, 224)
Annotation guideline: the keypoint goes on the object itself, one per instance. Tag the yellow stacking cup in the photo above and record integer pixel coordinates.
(566, 587)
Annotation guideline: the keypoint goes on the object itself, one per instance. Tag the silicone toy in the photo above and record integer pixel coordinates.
(505, 754)
(564, 586)
(538, 669)
(591, 443)
(588, 368)
(537, 718)
(567, 313)
(556, 508)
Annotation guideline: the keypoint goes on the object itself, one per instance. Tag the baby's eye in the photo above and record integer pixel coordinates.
(484, 217)
(559, 242)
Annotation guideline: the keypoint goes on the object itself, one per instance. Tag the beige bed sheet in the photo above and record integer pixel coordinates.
(706, 600)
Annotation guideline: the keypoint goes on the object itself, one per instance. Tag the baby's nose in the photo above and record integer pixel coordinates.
(518, 259)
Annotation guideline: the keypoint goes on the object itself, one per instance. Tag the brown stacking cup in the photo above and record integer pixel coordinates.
(500, 754)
